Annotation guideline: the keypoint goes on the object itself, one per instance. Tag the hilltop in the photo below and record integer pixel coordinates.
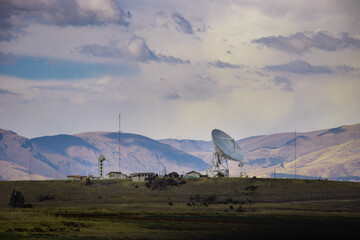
(56, 156)
(325, 154)
(328, 153)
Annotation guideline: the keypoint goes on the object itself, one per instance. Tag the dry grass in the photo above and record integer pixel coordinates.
(121, 209)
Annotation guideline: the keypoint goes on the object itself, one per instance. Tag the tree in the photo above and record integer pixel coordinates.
(17, 199)
(88, 182)
(173, 175)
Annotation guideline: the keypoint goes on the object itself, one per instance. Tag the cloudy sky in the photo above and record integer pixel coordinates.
(178, 69)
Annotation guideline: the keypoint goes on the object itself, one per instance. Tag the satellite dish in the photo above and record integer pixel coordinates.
(225, 149)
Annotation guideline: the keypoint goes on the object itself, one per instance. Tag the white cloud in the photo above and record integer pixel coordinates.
(204, 87)
(136, 50)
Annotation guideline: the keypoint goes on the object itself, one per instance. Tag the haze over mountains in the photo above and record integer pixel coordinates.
(330, 153)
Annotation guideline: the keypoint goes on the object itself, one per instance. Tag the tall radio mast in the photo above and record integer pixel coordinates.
(119, 143)
(295, 151)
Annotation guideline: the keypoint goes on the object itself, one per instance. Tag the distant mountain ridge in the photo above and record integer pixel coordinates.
(19, 159)
(329, 153)
(60, 155)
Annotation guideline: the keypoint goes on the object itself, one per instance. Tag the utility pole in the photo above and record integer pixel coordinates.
(274, 173)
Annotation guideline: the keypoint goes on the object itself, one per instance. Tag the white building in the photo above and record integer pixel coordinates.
(193, 174)
(115, 175)
(140, 177)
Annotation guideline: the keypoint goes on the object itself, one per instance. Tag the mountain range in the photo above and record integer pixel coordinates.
(329, 153)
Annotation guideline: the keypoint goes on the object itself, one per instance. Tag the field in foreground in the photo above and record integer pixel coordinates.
(227, 208)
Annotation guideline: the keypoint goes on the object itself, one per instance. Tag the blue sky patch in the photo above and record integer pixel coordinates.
(45, 68)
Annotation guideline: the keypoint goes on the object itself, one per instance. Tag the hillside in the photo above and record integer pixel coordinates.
(19, 160)
(121, 191)
(57, 156)
(329, 153)
(199, 148)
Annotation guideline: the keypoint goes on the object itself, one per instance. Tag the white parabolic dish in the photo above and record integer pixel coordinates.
(226, 146)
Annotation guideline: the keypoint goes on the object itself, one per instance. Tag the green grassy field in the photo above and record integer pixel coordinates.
(224, 208)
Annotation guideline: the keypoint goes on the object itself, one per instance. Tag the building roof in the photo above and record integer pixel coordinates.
(194, 172)
(137, 174)
(77, 176)
(116, 173)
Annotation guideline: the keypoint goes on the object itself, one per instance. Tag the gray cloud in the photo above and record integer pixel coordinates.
(7, 92)
(346, 68)
(170, 59)
(172, 96)
(300, 43)
(220, 64)
(136, 50)
(17, 15)
(300, 67)
(287, 84)
(182, 24)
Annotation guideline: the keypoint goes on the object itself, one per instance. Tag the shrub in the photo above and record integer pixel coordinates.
(250, 188)
(197, 197)
(173, 175)
(88, 182)
(163, 183)
(46, 197)
(28, 205)
(210, 199)
(240, 209)
(170, 203)
(17, 199)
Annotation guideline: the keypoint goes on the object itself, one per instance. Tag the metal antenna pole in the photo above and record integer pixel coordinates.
(295, 151)
(119, 143)
(30, 164)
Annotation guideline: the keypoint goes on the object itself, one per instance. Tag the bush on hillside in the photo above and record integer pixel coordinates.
(88, 182)
(46, 197)
(17, 200)
(157, 183)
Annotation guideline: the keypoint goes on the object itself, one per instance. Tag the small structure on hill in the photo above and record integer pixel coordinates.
(173, 175)
(76, 177)
(193, 174)
(115, 175)
(91, 177)
(80, 177)
(140, 177)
